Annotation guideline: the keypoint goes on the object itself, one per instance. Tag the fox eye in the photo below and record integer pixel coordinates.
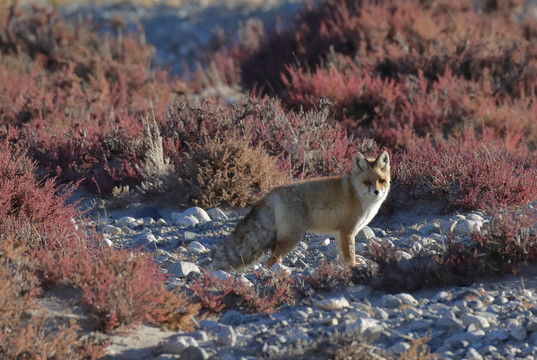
(382, 181)
(368, 183)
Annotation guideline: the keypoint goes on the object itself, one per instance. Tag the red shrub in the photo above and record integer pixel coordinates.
(215, 294)
(122, 287)
(468, 173)
(509, 239)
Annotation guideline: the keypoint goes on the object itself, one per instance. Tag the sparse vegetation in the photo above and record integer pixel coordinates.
(452, 101)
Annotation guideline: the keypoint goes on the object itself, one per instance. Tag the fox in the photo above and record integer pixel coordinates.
(338, 205)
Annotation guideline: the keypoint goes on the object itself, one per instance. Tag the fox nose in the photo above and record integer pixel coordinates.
(376, 192)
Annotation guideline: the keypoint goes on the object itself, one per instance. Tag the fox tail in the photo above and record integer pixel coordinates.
(253, 236)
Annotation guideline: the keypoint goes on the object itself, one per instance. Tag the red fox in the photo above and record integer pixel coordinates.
(338, 205)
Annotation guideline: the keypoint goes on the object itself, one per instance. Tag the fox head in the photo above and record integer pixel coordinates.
(372, 176)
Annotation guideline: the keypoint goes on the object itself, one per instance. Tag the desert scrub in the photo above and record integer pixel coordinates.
(226, 171)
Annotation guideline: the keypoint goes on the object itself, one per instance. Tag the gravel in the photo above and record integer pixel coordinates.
(483, 320)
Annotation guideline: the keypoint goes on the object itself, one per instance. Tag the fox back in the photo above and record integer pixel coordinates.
(340, 206)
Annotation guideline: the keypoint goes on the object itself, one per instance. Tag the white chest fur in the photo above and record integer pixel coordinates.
(370, 209)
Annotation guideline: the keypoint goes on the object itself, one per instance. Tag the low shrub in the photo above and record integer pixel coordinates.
(24, 329)
(226, 171)
(215, 294)
(509, 240)
(469, 173)
(122, 288)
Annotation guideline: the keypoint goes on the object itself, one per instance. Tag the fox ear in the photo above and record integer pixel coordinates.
(360, 162)
(383, 161)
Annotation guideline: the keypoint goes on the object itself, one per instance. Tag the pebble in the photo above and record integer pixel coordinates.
(112, 230)
(338, 303)
(189, 220)
(200, 214)
(177, 343)
(217, 214)
(149, 241)
(365, 234)
(182, 268)
(196, 247)
(107, 242)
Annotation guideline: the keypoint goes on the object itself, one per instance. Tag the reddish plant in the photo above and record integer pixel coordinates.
(215, 294)
(468, 173)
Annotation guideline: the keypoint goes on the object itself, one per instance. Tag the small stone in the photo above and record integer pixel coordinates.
(407, 299)
(194, 353)
(232, 317)
(442, 296)
(226, 335)
(196, 247)
(280, 269)
(146, 221)
(477, 320)
(518, 332)
(381, 314)
(365, 234)
(299, 315)
(217, 214)
(182, 268)
(125, 221)
(149, 241)
(186, 221)
(366, 326)
(198, 213)
(106, 242)
(449, 320)
(465, 227)
(112, 230)
(338, 303)
(176, 344)
(161, 222)
(390, 301)
(190, 236)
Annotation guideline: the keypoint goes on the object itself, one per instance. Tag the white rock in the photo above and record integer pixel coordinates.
(226, 335)
(390, 301)
(182, 268)
(190, 236)
(365, 234)
(146, 221)
(112, 230)
(280, 269)
(176, 344)
(148, 240)
(161, 222)
(217, 214)
(197, 248)
(480, 321)
(198, 213)
(407, 299)
(366, 326)
(186, 221)
(125, 220)
(338, 303)
(465, 227)
(107, 242)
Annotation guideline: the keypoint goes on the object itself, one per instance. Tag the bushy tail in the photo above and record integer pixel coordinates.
(253, 236)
